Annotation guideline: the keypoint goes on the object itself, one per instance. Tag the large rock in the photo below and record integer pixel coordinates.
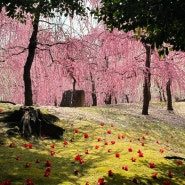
(72, 98)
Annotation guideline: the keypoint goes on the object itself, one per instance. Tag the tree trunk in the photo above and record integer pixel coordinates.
(127, 98)
(146, 86)
(93, 94)
(27, 68)
(169, 96)
(108, 99)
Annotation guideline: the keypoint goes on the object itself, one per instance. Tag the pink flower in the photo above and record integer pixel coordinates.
(170, 174)
(86, 152)
(30, 146)
(110, 173)
(125, 168)
(101, 181)
(102, 124)
(117, 155)
(166, 182)
(48, 163)
(86, 135)
(82, 161)
(46, 174)
(154, 176)
(142, 144)
(18, 158)
(133, 159)
(76, 131)
(53, 145)
(152, 165)
(1, 110)
(65, 143)
(139, 151)
(106, 143)
(48, 169)
(109, 150)
(123, 136)
(27, 164)
(99, 139)
(140, 154)
(179, 162)
(12, 145)
(113, 142)
(130, 149)
(77, 157)
(26, 145)
(161, 150)
(29, 182)
(96, 147)
(119, 137)
(109, 131)
(52, 152)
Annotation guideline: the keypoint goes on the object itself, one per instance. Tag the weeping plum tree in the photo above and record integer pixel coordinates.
(35, 9)
(160, 21)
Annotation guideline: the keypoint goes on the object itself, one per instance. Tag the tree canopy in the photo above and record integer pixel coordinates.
(156, 22)
(18, 8)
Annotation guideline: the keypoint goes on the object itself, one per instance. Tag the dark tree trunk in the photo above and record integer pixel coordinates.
(169, 96)
(127, 99)
(108, 99)
(28, 64)
(74, 83)
(147, 76)
(93, 94)
(116, 101)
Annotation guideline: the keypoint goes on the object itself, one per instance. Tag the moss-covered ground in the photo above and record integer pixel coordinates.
(126, 150)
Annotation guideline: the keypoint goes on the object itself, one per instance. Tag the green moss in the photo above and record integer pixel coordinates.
(155, 136)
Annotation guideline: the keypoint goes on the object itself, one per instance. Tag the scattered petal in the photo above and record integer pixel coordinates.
(101, 181)
(117, 155)
(109, 131)
(27, 165)
(152, 165)
(154, 176)
(76, 131)
(110, 173)
(130, 149)
(86, 135)
(125, 168)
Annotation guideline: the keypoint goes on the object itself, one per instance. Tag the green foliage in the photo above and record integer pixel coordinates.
(162, 21)
(47, 8)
